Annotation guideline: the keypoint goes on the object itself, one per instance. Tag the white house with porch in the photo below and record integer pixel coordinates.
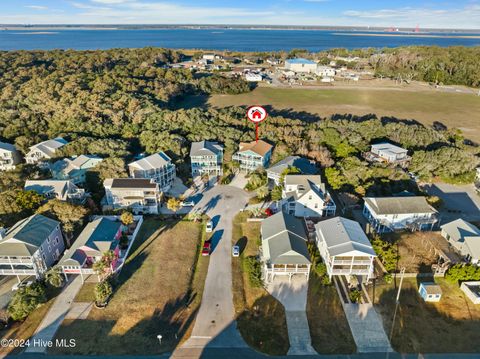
(344, 247)
(307, 196)
(465, 238)
(284, 247)
(389, 214)
(44, 150)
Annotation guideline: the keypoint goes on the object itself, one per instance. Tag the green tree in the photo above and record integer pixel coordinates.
(103, 290)
(262, 192)
(26, 300)
(54, 277)
(29, 200)
(126, 218)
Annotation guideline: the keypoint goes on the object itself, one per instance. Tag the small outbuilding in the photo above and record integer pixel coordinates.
(430, 292)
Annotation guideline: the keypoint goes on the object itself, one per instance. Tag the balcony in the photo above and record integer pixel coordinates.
(348, 271)
(349, 262)
(24, 260)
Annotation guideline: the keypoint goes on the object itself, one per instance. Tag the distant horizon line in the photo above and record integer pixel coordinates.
(245, 26)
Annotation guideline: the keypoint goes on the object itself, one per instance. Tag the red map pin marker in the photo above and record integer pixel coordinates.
(256, 114)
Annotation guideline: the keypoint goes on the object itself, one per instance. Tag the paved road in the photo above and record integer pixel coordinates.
(293, 296)
(215, 325)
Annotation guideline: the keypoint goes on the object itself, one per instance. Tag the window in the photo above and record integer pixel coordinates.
(49, 248)
(316, 205)
(44, 258)
(310, 197)
(48, 240)
(56, 240)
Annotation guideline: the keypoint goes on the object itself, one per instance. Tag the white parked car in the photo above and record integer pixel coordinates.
(209, 227)
(235, 251)
(187, 204)
(23, 284)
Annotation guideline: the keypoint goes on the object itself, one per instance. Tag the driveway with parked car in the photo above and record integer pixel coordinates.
(215, 323)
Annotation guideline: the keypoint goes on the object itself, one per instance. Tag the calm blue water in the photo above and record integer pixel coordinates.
(237, 40)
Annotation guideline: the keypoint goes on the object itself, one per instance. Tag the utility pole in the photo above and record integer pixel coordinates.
(397, 302)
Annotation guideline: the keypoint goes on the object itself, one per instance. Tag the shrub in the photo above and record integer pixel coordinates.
(387, 253)
(123, 241)
(388, 278)
(253, 268)
(126, 218)
(26, 300)
(103, 291)
(354, 295)
(321, 269)
(460, 272)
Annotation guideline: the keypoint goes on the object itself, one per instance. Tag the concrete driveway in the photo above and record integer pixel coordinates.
(293, 296)
(459, 201)
(215, 325)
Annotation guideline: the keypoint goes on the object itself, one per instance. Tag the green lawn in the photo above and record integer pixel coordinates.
(158, 292)
(260, 317)
(86, 293)
(449, 326)
(454, 110)
(329, 328)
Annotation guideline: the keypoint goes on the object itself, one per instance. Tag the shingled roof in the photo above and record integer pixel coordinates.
(261, 147)
(399, 205)
(205, 148)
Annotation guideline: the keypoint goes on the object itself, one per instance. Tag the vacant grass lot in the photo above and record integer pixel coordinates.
(450, 326)
(158, 292)
(260, 317)
(454, 110)
(329, 328)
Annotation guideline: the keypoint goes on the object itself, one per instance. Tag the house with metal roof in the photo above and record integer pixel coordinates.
(345, 248)
(464, 237)
(206, 158)
(74, 169)
(253, 155)
(388, 152)
(306, 196)
(62, 190)
(158, 167)
(99, 236)
(9, 156)
(301, 65)
(31, 246)
(141, 195)
(274, 172)
(284, 247)
(44, 150)
(388, 214)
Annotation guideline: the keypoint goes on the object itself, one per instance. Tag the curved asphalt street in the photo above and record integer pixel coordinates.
(215, 325)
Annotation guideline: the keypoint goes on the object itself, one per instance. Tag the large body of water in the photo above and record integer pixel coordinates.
(219, 39)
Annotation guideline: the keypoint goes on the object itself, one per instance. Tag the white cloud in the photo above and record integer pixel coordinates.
(36, 7)
(111, 1)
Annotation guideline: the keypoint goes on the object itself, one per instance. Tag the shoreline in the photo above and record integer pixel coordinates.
(403, 34)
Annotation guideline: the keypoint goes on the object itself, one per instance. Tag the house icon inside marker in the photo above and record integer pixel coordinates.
(256, 114)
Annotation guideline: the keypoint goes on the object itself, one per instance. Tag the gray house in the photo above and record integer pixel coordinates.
(284, 247)
(464, 237)
(158, 167)
(9, 156)
(206, 157)
(305, 166)
(31, 246)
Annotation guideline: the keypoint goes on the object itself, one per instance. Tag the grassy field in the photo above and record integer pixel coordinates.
(260, 317)
(329, 328)
(454, 110)
(449, 326)
(158, 292)
(86, 293)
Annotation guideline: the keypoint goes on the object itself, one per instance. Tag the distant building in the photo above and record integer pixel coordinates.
(430, 292)
(9, 156)
(327, 79)
(31, 247)
(140, 195)
(301, 65)
(284, 247)
(99, 236)
(390, 153)
(325, 71)
(209, 57)
(273, 61)
(62, 190)
(307, 196)
(74, 169)
(253, 155)
(206, 157)
(389, 214)
(253, 77)
(464, 237)
(44, 150)
(344, 247)
(158, 167)
(275, 171)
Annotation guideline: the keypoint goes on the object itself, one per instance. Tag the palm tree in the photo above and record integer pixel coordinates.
(194, 216)
(262, 192)
(173, 204)
(54, 277)
(126, 218)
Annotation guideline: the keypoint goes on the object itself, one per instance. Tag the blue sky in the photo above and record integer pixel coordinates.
(433, 13)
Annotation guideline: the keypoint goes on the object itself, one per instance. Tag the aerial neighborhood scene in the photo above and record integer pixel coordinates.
(191, 181)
